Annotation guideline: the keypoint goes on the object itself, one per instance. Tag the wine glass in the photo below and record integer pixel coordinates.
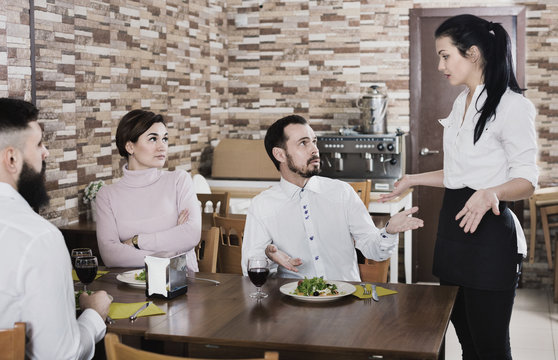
(257, 272)
(86, 269)
(78, 252)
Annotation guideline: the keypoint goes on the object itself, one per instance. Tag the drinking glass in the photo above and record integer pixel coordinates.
(77, 252)
(86, 269)
(258, 271)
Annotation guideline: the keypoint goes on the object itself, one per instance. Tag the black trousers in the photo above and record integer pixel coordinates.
(482, 318)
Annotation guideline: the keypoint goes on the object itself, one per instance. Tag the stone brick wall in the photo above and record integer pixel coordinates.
(95, 61)
(15, 63)
(315, 58)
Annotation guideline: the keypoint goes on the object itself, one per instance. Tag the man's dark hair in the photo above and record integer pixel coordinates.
(16, 114)
(275, 136)
(132, 125)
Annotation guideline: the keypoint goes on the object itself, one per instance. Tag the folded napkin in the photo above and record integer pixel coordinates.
(99, 274)
(380, 290)
(124, 311)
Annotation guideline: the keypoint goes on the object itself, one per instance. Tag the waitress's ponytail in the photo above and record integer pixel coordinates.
(493, 42)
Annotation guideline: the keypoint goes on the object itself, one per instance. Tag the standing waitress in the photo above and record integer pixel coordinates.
(490, 150)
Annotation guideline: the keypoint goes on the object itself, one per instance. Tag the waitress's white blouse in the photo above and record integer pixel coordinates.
(507, 148)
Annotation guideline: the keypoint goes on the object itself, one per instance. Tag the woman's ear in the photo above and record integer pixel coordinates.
(474, 54)
(279, 154)
(130, 147)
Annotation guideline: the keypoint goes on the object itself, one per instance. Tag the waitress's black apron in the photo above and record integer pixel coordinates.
(485, 259)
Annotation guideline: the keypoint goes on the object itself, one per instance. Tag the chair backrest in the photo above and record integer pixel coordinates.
(231, 232)
(206, 250)
(117, 351)
(371, 270)
(12, 342)
(363, 189)
(547, 211)
(213, 203)
(374, 271)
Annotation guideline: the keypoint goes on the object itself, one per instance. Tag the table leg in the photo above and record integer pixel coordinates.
(533, 214)
(394, 263)
(546, 232)
(408, 243)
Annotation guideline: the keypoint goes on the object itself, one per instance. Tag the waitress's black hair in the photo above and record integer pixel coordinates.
(493, 42)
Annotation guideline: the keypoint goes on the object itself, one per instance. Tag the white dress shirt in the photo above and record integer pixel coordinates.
(507, 148)
(36, 285)
(320, 223)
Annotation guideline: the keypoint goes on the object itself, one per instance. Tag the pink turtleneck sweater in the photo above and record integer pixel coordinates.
(147, 203)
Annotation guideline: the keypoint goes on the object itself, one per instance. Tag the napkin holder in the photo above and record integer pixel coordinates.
(165, 275)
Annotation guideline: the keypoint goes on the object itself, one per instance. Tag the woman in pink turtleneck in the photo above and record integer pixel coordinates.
(148, 210)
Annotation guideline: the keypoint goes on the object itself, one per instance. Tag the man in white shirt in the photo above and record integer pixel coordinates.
(310, 225)
(36, 285)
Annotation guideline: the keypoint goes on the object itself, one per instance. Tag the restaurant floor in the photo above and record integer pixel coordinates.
(533, 329)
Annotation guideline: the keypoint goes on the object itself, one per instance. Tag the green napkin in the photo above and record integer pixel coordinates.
(124, 310)
(99, 274)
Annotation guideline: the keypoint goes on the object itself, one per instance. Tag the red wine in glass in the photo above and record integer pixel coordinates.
(258, 276)
(257, 272)
(86, 269)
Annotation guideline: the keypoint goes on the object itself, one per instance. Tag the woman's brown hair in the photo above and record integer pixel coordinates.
(132, 125)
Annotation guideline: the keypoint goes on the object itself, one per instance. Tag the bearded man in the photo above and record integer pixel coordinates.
(310, 225)
(36, 284)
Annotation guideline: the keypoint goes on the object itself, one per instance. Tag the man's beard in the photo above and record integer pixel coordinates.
(32, 186)
(304, 172)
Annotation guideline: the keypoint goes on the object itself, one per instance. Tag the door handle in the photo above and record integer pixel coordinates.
(426, 151)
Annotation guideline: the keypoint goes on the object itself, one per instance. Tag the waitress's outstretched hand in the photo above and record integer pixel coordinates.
(398, 188)
(475, 208)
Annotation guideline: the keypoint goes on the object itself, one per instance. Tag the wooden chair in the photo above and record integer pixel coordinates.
(547, 211)
(374, 271)
(370, 271)
(12, 342)
(206, 250)
(211, 204)
(230, 244)
(541, 197)
(117, 351)
(363, 189)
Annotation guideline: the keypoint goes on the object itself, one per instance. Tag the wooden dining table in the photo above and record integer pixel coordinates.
(221, 318)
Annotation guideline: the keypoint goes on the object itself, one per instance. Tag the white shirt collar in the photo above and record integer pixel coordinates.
(8, 191)
(290, 189)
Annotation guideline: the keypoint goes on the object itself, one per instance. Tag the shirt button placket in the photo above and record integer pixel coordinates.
(309, 228)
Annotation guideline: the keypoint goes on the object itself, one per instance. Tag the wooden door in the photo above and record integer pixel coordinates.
(431, 99)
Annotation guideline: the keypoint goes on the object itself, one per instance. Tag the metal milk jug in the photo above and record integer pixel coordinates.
(373, 111)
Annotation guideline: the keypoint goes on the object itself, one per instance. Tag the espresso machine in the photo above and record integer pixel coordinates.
(379, 157)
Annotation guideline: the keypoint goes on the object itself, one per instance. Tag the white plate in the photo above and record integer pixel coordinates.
(128, 278)
(343, 288)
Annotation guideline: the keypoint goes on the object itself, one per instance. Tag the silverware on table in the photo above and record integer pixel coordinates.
(135, 315)
(365, 290)
(374, 293)
(204, 279)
